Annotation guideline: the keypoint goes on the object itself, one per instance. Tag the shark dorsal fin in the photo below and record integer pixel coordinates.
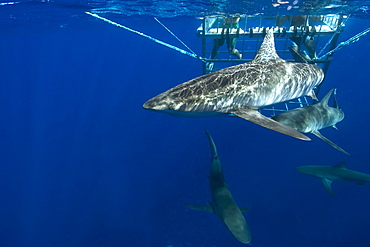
(327, 184)
(340, 165)
(267, 51)
(325, 100)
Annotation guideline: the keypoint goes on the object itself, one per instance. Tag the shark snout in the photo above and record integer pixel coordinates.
(156, 104)
(149, 105)
(304, 170)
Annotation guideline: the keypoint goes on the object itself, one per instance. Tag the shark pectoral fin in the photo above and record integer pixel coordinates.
(243, 209)
(327, 184)
(257, 118)
(205, 208)
(360, 183)
(319, 135)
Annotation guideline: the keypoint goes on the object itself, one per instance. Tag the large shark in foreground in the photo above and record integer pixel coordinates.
(328, 174)
(223, 203)
(242, 89)
(312, 118)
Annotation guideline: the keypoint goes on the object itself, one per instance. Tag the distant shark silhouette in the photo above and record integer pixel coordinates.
(242, 89)
(328, 174)
(312, 118)
(223, 203)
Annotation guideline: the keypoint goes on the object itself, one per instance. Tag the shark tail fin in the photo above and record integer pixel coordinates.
(326, 98)
(257, 118)
(327, 184)
(319, 135)
(204, 208)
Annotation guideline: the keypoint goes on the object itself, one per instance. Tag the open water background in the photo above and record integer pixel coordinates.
(82, 164)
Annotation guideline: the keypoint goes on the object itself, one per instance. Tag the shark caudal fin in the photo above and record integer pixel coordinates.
(257, 118)
(319, 135)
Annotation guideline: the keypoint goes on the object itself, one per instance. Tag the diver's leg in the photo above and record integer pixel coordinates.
(217, 43)
(309, 43)
(231, 43)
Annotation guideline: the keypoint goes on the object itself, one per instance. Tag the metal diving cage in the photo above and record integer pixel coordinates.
(301, 38)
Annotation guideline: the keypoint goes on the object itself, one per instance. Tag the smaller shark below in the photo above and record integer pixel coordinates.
(312, 118)
(328, 174)
(223, 203)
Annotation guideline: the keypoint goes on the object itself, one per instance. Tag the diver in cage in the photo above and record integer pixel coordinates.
(308, 41)
(229, 24)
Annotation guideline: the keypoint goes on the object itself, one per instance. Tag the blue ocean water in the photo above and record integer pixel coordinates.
(82, 164)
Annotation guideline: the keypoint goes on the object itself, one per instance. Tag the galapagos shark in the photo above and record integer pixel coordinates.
(223, 203)
(312, 118)
(328, 174)
(242, 89)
